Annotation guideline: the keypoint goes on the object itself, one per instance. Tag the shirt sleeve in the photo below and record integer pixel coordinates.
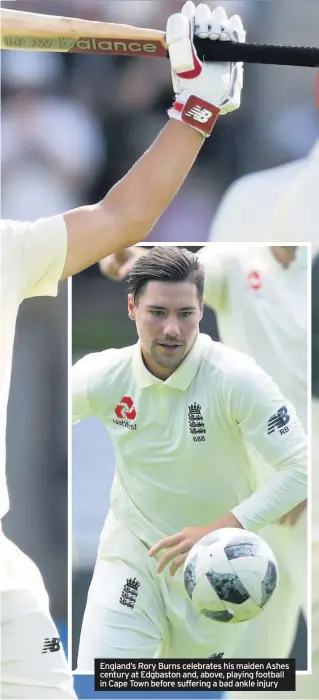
(93, 381)
(34, 253)
(269, 423)
(81, 375)
(216, 262)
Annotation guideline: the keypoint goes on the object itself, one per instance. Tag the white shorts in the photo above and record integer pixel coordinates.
(33, 664)
(133, 612)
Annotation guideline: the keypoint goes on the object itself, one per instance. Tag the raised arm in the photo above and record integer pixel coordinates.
(202, 92)
(47, 250)
(129, 211)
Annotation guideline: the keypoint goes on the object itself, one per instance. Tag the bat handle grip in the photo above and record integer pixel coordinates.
(257, 53)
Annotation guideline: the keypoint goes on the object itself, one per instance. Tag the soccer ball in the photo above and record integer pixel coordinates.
(230, 575)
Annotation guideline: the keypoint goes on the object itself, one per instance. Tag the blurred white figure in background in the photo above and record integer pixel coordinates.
(51, 145)
(282, 205)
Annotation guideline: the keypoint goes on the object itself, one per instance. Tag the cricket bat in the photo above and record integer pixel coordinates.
(30, 31)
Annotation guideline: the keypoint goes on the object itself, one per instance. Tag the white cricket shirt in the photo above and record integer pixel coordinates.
(32, 257)
(261, 308)
(280, 204)
(181, 457)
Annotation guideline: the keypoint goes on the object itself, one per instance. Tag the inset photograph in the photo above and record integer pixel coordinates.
(191, 362)
(190, 454)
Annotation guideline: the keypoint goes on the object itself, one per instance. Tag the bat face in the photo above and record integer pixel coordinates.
(86, 44)
(29, 31)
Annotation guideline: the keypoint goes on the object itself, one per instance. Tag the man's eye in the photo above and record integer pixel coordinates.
(156, 312)
(186, 313)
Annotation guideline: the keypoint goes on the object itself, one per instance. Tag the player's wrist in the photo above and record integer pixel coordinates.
(194, 111)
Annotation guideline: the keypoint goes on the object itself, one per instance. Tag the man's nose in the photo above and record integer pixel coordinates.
(171, 327)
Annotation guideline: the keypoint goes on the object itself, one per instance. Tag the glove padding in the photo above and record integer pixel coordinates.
(203, 90)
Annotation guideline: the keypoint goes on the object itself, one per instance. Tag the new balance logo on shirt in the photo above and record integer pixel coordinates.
(52, 644)
(279, 421)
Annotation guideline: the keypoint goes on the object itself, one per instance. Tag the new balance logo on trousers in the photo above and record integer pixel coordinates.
(52, 644)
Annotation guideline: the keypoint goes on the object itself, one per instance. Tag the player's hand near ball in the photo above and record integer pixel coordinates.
(178, 546)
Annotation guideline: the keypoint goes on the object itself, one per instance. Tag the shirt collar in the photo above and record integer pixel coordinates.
(182, 377)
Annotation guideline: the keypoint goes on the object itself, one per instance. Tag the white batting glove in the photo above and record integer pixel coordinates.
(203, 91)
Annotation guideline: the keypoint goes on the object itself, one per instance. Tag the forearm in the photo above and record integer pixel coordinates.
(144, 193)
(282, 492)
(129, 211)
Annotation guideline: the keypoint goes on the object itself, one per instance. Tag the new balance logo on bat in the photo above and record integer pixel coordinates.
(199, 114)
(279, 421)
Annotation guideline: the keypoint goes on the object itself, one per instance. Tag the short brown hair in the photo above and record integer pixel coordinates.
(166, 264)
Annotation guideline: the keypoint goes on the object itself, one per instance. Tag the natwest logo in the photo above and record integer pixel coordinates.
(125, 409)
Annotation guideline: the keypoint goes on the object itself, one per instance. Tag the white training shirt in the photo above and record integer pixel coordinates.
(181, 457)
(280, 204)
(32, 257)
(261, 308)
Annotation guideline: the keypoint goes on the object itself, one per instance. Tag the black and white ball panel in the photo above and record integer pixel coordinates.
(190, 576)
(230, 576)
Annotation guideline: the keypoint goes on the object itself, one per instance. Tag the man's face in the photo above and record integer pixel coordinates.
(167, 317)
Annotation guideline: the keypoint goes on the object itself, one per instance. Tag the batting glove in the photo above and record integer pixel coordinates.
(203, 91)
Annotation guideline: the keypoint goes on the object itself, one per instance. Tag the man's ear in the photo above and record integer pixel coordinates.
(131, 307)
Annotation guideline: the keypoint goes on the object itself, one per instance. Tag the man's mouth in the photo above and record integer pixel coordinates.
(170, 346)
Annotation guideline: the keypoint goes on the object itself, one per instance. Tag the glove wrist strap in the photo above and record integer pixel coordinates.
(196, 112)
